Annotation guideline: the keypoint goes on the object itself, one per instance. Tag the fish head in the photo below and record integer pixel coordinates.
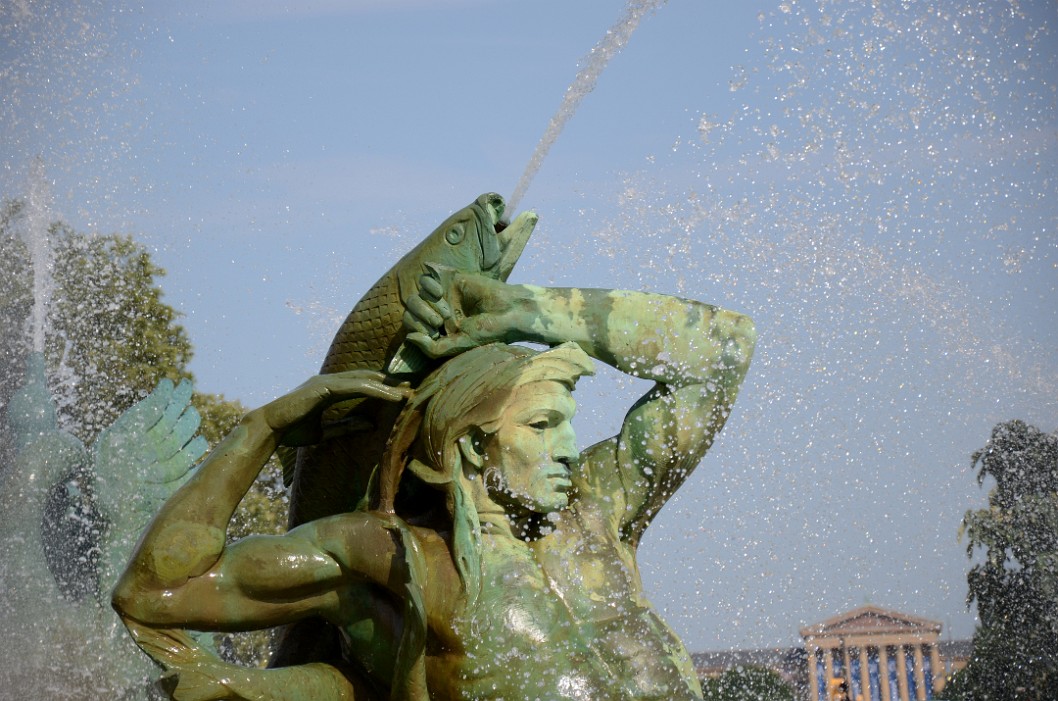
(476, 239)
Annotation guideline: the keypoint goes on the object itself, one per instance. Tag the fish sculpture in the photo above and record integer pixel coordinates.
(332, 477)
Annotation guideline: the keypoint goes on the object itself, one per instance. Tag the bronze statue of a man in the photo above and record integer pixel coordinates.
(495, 560)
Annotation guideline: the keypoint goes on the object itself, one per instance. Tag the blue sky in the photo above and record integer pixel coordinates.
(875, 187)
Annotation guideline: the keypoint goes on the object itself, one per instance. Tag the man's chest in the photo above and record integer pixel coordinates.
(590, 569)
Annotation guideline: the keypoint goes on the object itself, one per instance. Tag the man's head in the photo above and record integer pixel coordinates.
(479, 407)
(454, 429)
(524, 456)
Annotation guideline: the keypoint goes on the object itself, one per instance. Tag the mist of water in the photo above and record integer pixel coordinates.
(874, 191)
(595, 62)
(831, 201)
(38, 241)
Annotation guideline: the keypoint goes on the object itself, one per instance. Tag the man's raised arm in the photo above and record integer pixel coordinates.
(165, 580)
(182, 574)
(697, 353)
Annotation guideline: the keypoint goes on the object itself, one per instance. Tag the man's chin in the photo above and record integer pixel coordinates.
(559, 503)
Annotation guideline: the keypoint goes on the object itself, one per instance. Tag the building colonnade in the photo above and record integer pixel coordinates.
(881, 655)
(879, 671)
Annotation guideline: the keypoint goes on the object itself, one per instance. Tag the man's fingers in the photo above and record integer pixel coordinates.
(365, 383)
(365, 374)
(441, 346)
(424, 342)
(415, 324)
(443, 274)
(424, 312)
(430, 287)
(443, 309)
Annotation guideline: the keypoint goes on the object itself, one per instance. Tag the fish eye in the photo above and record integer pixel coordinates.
(454, 235)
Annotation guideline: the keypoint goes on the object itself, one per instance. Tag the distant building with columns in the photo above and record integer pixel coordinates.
(881, 655)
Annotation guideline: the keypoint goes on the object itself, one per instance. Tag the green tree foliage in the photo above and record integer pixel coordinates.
(110, 339)
(219, 415)
(109, 329)
(749, 683)
(1015, 585)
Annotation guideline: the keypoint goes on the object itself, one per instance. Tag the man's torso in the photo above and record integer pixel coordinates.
(563, 617)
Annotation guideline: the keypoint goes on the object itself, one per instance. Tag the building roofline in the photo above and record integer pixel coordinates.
(825, 627)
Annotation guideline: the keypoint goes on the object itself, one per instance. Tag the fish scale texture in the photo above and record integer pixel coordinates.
(361, 341)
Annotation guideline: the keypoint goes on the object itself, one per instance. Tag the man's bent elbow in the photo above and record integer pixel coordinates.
(149, 607)
(133, 597)
(124, 600)
(741, 339)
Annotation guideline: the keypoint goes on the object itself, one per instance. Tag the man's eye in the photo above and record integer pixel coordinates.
(539, 425)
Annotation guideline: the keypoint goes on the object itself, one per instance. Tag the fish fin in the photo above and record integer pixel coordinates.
(407, 360)
(372, 486)
(288, 458)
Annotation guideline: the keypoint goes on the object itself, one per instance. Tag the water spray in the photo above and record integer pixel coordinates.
(38, 240)
(609, 46)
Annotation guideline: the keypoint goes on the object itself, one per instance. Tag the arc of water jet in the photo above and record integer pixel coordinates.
(612, 42)
(38, 239)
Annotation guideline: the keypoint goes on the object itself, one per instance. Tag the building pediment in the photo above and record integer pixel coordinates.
(872, 620)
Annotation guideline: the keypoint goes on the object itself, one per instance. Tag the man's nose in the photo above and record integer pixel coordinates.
(564, 447)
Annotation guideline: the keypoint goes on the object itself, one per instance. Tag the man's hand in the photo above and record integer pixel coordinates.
(456, 311)
(296, 417)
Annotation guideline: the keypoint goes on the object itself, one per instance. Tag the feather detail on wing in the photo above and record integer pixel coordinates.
(139, 461)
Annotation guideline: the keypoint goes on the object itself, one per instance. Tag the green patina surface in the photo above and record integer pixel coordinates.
(492, 558)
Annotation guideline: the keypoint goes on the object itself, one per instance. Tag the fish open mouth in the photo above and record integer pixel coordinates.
(512, 235)
(494, 206)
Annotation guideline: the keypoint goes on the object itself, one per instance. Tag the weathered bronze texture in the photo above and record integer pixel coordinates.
(488, 557)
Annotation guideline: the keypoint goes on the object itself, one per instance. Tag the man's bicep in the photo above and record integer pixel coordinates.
(621, 472)
(263, 581)
(274, 568)
(259, 581)
(310, 563)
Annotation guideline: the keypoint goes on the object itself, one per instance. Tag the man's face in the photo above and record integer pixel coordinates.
(528, 458)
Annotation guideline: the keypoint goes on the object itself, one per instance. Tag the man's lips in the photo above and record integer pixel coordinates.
(561, 477)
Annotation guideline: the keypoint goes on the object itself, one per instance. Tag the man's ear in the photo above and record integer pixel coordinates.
(472, 451)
